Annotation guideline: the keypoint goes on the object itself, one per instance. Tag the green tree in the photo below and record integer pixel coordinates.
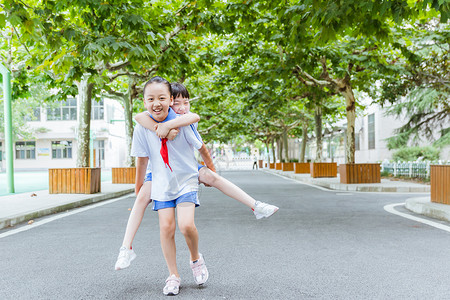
(420, 90)
(90, 43)
(346, 39)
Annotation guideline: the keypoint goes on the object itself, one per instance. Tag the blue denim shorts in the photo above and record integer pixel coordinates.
(188, 197)
(148, 177)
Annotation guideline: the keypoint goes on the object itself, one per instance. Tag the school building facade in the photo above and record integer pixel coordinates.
(371, 131)
(54, 131)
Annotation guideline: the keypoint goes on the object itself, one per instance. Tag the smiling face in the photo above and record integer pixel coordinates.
(157, 100)
(181, 105)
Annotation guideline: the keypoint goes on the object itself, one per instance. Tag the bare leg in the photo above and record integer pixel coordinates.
(185, 213)
(208, 177)
(167, 235)
(137, 213)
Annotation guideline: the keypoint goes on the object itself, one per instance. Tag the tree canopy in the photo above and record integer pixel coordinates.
(257, 69)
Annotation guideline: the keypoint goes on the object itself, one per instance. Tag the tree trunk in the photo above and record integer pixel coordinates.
(285, 145)
(350, 101)
(267, 149)
(273, 150)
(128, 112)
(304, 141)
(318, 121)
(280, 149)
(84, 121)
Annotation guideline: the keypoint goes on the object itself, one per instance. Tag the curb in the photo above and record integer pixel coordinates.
(13, 220)
(363, 187)
(424, 206)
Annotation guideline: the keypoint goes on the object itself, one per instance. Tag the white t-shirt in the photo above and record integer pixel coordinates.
(195, 126)
(168, 185)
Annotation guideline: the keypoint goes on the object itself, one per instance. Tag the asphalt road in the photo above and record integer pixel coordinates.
(320, 245)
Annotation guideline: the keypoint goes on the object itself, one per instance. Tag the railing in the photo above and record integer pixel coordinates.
(420, 169)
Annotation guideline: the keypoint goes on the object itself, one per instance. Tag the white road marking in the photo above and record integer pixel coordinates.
(60, 216)
(304, 183)
(390, 208)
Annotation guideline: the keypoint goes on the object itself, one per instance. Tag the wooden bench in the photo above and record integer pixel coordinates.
(74, 181)
(440, 183)
(302, 168)
(359, 173)
(278, 166)
(287, 166)
(323, 169)
(123, 175)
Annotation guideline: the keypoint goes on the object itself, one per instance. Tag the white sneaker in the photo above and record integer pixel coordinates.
(172, 285)
(126, 256)
(264, 210)
(199, 270)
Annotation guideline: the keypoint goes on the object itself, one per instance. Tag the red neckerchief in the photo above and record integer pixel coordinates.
(164, 153)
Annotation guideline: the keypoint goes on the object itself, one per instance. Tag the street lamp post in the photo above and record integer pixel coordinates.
(8, 128)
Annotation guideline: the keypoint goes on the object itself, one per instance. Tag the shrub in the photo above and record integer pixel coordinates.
(385, 173)
(413, 153)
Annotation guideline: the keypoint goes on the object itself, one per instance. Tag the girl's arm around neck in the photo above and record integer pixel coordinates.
(145, 121)
(183, 120)
(162, 129)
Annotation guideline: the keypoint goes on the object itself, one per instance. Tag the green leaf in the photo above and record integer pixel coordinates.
(2, 20)
(15, 20)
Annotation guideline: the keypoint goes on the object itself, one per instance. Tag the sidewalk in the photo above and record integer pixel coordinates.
(386, 185)
(424, 206)
(23, 207)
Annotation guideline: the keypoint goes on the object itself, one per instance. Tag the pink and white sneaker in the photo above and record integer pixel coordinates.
(172, 285)
(199, 270)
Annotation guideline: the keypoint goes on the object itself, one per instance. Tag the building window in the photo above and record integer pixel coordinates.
(97, 111)
(99, 146)
(36, 116)
(1, 152)
(371, 130)
(357, 142)
(25, 150)
(61, 149)
(67, 110)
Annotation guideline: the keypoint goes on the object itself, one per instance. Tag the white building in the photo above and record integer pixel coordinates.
(374, 128)
(55, 139)
(371, 131)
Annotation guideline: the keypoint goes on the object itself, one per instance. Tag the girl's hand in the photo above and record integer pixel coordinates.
(172, 134)
(162, 130)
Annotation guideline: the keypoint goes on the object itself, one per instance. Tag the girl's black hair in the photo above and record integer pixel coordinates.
(179, 90)
(158, 79)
